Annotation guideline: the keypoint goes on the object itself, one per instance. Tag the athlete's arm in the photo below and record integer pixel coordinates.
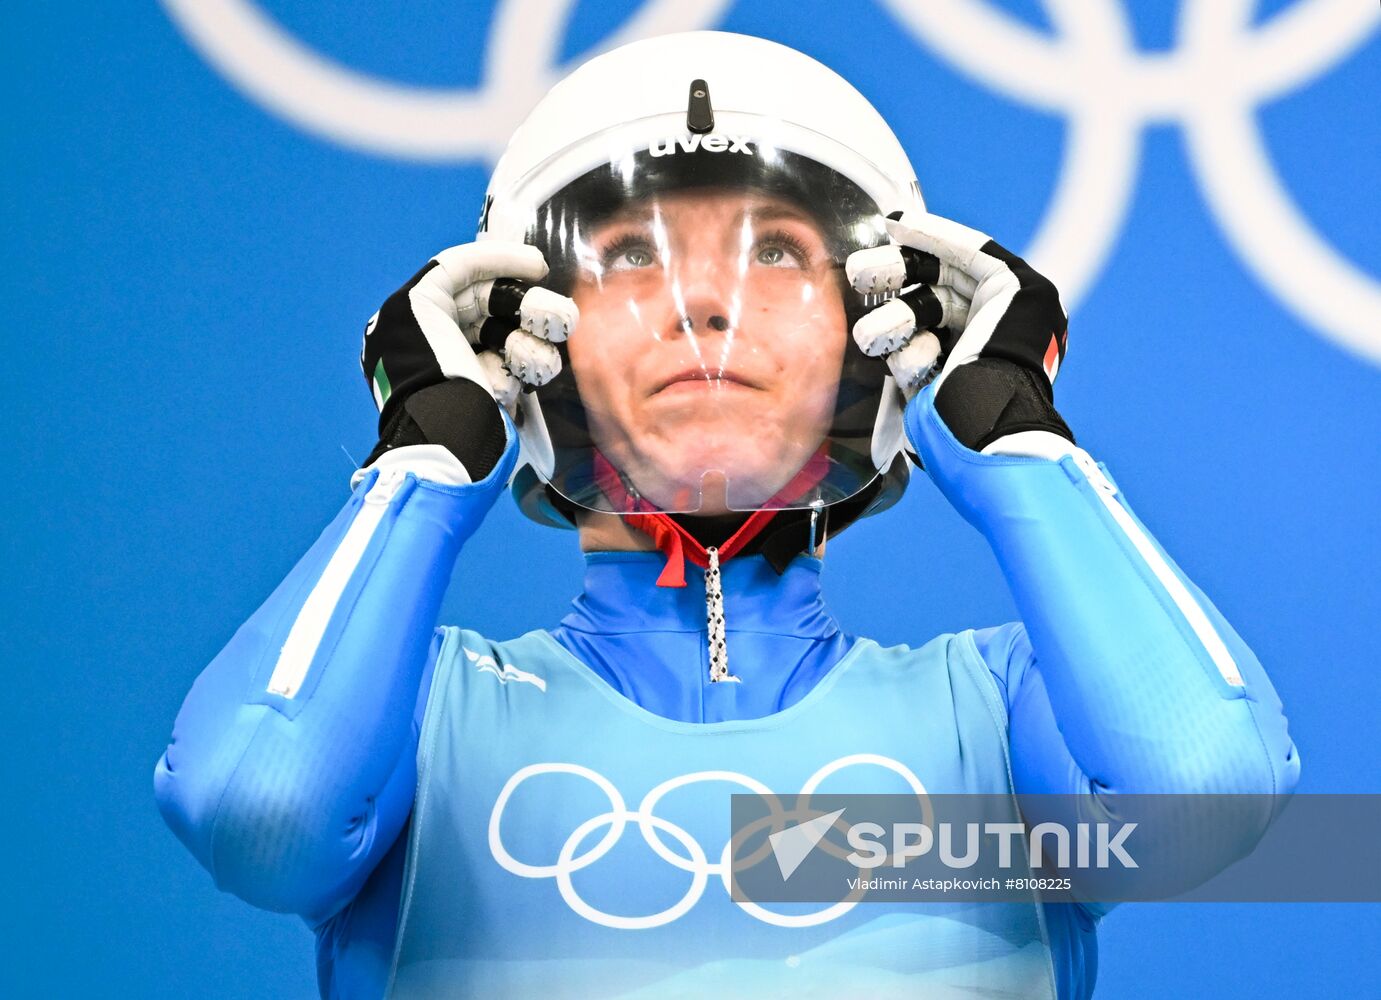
(292, 766)
(1122, 677)
(293, 760)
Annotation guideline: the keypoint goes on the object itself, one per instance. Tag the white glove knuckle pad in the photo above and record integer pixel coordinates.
(548, 315)
(915, 361)
(884, 329)
(973, 290)
(531, 359)
(539, 311)
(876, 270)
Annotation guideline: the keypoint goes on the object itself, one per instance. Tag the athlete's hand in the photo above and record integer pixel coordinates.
(973, 320)
(473, 297)
(470, 320)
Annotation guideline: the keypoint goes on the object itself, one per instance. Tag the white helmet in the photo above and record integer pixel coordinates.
(697, 194)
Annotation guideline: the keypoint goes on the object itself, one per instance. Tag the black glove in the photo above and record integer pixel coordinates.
(419, 354)
(972, 317)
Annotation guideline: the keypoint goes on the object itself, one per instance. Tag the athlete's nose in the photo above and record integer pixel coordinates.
(703, 295)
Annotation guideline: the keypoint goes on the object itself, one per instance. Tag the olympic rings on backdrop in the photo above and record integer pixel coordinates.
(1210, 84)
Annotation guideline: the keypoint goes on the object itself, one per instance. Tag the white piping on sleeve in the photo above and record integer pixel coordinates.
(304, 638)
(1207, 635)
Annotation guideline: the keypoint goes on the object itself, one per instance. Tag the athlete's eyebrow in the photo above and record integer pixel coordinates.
(641, 215)
(772, 213)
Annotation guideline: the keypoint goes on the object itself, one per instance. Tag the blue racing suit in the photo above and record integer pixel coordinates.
(293, 772)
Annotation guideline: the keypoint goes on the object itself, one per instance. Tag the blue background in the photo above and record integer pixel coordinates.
(186, 277)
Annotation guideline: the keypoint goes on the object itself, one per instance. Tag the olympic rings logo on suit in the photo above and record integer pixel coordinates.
(1090, 72)
(694, 860)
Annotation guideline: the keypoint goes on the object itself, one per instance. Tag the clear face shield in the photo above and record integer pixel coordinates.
(712, 368)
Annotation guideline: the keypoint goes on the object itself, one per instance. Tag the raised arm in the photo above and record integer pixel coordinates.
(1121, 677)
(293, 760)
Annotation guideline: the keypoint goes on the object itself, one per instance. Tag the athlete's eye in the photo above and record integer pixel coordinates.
(781, 249)
(629, 252)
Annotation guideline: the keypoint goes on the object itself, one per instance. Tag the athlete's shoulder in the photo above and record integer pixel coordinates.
(1006, 652)
(953, 666)
(902, 654)
(969, 648)
(992, 644)
(1000, 644)
(1000, 652)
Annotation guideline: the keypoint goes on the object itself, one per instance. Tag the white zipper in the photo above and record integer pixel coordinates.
(306, 633)
(1203, 629)
(714, 619)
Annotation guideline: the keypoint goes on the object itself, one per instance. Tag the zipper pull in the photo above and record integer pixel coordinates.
(384, 488)
(714, 618)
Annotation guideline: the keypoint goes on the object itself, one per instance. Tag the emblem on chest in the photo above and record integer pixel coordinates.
(680, 827)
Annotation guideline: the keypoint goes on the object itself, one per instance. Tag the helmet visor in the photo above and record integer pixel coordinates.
(712, 368)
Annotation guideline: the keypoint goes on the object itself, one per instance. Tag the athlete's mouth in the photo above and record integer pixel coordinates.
(708, 379)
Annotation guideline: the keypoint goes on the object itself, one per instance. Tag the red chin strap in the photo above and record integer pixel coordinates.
(678, 544)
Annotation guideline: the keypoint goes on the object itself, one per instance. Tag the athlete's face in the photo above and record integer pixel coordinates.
(711, 339)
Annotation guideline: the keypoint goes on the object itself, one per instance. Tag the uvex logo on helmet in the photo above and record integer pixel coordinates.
(712, 143)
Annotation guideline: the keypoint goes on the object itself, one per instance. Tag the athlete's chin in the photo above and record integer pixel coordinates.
(710, 477)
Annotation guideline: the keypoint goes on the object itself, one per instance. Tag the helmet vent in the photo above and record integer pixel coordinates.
(699, 114)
